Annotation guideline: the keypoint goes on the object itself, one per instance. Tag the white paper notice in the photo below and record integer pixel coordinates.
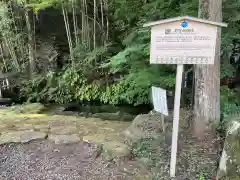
(159, 97)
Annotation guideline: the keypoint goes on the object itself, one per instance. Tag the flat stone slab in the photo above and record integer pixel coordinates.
(21, 136)
(64, 139)
(98, 138)
(41, 127)
(17, 127)
(22, 127)
(64, 130)
(32, 135)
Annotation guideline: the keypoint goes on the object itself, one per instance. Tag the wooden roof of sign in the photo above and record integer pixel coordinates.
(182, 18)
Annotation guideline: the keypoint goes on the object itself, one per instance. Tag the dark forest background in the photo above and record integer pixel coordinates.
(97, 50)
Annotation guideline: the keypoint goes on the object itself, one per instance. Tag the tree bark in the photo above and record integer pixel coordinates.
(75, 24)
(30, 43)
(68, 32)
(207, 77)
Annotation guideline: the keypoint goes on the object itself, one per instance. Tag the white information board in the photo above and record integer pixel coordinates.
(159, 97)
(180, 40)
(183, 42)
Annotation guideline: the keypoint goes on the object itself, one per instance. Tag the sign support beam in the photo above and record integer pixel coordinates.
(176, 115)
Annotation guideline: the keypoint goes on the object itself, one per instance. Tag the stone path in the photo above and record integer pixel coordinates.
(40, 146)
(22, 128)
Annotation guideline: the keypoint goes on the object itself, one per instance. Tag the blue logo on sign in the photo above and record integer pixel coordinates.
(184, 24)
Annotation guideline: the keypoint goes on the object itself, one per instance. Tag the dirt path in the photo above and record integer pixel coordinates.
(45, 160)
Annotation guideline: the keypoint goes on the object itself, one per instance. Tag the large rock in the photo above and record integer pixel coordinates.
(151, 125)
(21, 136)
(229, 167)
(144, 126)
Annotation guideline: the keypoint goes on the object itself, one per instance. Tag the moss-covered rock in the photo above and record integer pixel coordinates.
(31, 108)
(115, 150)
(229, 167)
(41, 127)
(118, 116)
(21, 136)
(65, 139)
(144, 126)
(64, 130)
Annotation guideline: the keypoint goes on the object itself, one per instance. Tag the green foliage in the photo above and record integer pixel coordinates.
(227, 70)
(145, 148)
(138, 75)
(202, 176)
(127, 55)
(89, 92)
(86, 59)
(37, 5)
(53, 87)
(230, 102)
(12, 40)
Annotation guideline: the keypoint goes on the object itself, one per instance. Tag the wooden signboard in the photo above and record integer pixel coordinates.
(182, 40)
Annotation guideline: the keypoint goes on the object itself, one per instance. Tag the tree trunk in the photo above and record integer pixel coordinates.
(83, 21)
(68, 32)
(75, 26)
(207, 77)
(30, 43)
(107, 19)
(94, 24)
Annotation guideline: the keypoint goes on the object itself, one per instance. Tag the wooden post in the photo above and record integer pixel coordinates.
(176, 113)
(0, 92)
(163, 124)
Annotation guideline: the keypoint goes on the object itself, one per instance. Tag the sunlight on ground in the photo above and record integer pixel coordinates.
(91, 129)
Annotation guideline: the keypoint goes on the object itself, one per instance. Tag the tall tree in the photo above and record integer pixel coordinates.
(207, 77)
(31, 43)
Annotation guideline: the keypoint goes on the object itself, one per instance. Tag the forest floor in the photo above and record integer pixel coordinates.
(197, 158)
(58, 147)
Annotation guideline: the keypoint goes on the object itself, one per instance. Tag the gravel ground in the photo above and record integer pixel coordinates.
(44, 160)
(48, 161)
